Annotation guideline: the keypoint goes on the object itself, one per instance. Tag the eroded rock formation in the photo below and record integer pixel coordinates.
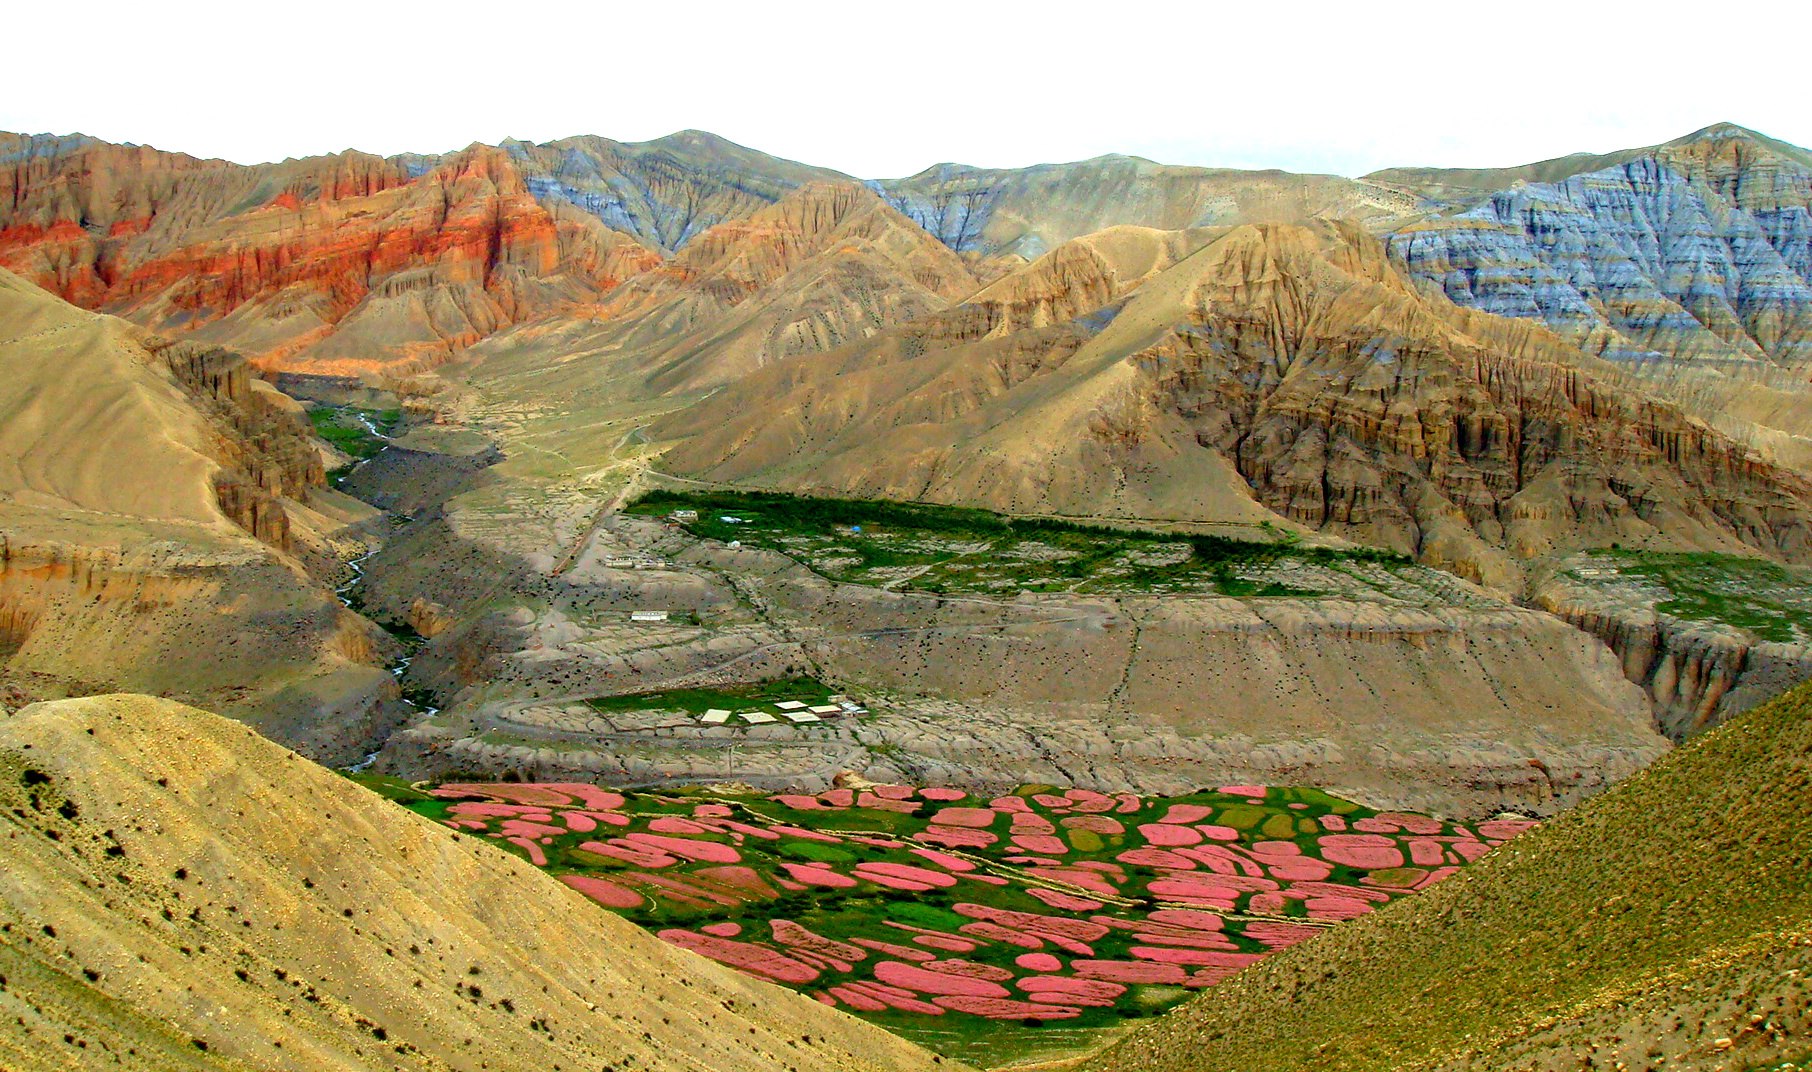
(1294, 369)
(1699, 248)
(1697, 674)
(331, 265)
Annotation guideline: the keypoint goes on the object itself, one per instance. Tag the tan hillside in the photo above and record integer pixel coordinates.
(154, 533)
(1279, 370)
(1030, 211)
(88, 422)
(178, 893)
(1667, 923)
(827, 265)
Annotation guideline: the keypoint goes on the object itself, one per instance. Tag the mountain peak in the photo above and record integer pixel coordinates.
(693, 140)
(1720, 132)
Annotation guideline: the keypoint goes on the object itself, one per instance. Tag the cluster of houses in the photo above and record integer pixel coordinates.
(788, 711)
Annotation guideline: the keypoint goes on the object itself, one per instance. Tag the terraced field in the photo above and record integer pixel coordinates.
(1768, 600)
(945, 549)
(986, 929)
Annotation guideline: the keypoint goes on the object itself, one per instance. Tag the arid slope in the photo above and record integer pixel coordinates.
(1029, 211)
(178, 893)
(153, 532)
(827, 265)
(1279, 370)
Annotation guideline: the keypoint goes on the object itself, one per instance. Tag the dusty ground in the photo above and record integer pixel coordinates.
(1433, 695)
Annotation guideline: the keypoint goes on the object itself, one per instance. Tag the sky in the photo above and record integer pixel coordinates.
(883, 90)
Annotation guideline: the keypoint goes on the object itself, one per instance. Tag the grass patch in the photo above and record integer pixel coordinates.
(926, 547)
(1768, 600)
(814, 852)
(730, 697)
(401, 791)
(357, 433)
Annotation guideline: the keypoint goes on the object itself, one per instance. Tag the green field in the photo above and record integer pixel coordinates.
(734, 697)
(348, 429)
(931, 548)
(1769, 600)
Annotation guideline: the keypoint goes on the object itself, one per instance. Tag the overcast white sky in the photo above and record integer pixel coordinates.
(881, 90)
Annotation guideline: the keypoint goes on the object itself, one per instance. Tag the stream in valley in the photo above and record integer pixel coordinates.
(347, 593)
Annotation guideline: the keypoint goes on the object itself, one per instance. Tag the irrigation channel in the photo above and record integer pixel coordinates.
(410, 640)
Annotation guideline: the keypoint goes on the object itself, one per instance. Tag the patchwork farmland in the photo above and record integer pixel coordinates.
(984, 928)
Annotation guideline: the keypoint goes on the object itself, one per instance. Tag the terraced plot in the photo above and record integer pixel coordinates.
(923, 547)
(977, 926)
(1768, 600)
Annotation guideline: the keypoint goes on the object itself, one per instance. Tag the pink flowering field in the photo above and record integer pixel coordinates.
(934, 906)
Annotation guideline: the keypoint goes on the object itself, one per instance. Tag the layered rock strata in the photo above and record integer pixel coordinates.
(1699, 249)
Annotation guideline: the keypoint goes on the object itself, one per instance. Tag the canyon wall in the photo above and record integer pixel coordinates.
(1697, 674)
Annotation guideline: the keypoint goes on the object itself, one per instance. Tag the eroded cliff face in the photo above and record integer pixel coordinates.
(333, 265)
(1293, 370)
(1700, 248)
(262, 439)
(1351, 404)
(1697, 674)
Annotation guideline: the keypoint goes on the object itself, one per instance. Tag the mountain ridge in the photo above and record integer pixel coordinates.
(345, 264)
(1204, 396)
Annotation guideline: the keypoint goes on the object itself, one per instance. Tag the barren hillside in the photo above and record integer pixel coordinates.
(158, 509)
(178, 893)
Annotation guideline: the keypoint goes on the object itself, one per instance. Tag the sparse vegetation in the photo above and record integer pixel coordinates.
(1672, 912)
